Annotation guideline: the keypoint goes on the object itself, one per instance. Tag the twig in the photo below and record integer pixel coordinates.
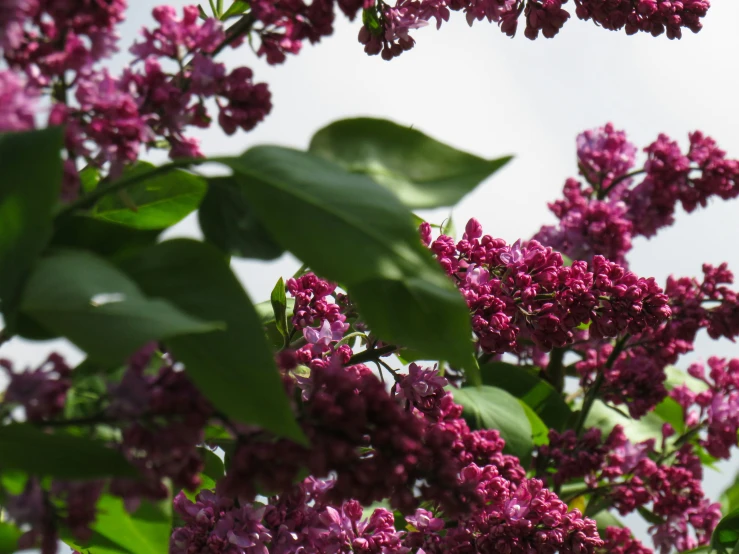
(371, 354)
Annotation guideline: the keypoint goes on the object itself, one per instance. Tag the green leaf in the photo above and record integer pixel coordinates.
(278, 299)
(213, 471)
(26, 448)
(228, 222)
(104, 238)
(676, 376)
(237, 8)
(606, 519)
(89, 301)
(524, 383)
(730, 497)
(539, 431)
(423, 172)
(155, 203)
(31, 181)
(603, 417)
(671, 412)
(233, 367)
(267, 314)
(649, 516)
(488, 407)
(9, 535)
(115, 531)
(89, 178)
(726, 534)
(352, 231)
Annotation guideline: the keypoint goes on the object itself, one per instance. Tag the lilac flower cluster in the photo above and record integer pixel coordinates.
(37, 509)
(717, 408)
(527, 518)
(650, 16)
(55, 48)
(636, 376)
(358, 431)
(618, 540)
(166, 415)
(637, 476)
(603, 217)
(517, 292)
(41, 392)
(161, 416)
(387, 31)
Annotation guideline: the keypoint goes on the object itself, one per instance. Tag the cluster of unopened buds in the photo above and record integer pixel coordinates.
(387, 28)
(56, 49)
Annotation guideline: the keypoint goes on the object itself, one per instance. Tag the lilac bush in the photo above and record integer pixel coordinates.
(416, 394)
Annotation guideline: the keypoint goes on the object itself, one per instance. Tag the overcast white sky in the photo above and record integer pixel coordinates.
(483, 92)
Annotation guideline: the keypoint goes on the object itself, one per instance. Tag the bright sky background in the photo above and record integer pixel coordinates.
(480, 91)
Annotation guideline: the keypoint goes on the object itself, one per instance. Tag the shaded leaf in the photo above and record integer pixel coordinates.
(154, 203)
(488, 407)
(228, 222)
(28, 449)
(104, 238)
(97, 307)
(726, 534)
(233, 367)
(31, 182)
(422, 171)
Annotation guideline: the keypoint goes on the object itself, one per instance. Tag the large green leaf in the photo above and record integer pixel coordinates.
(233, 367)
(524, 383)
(228, 222)
(29, 189)
(154, 203)
(488, 407)
(102, 237)
(726, 534)
(26, 448)
(353, 231)
(115, 531)
(93, 304)
(423, 172)
(9, 535)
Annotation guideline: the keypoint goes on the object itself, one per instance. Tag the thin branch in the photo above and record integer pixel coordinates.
(91, 198)
(592, 393)
(371, 354)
